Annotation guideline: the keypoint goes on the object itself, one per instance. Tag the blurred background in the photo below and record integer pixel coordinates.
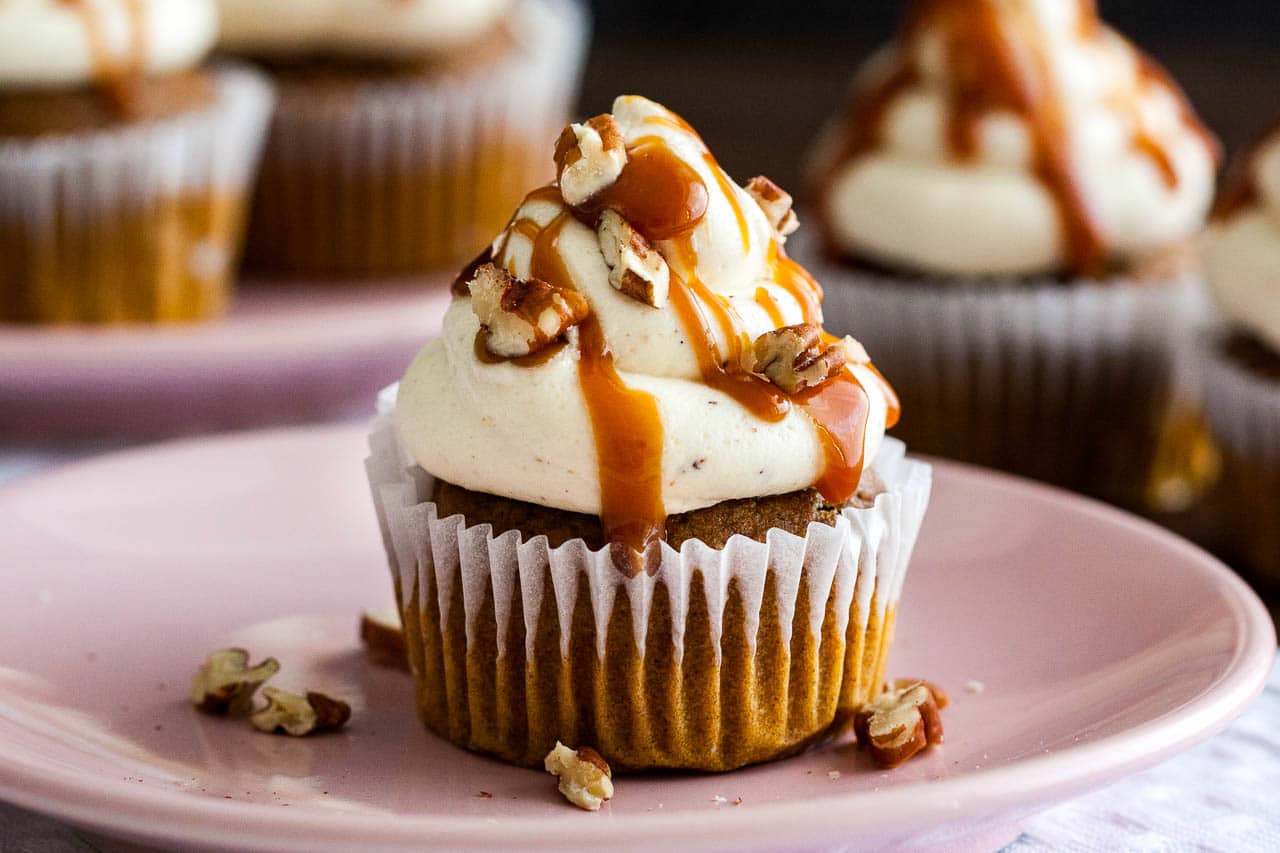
(758, 78)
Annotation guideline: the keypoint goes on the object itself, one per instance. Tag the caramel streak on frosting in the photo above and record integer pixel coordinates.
(975, 92)
(110, 43)
(644, 406)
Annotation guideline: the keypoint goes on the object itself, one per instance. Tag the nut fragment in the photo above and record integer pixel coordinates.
(776, 204)
(589, 157)
(522, 317)
(901, 721)
(585, 778)
(635, 267)
(793, 357)
(225, 683)
(383, 639)
(292, 714)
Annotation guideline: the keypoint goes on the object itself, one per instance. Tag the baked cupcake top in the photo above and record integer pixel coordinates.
(1242, 251)
(59, 44)
(282, 28)
(1012, 137)
(636, 342)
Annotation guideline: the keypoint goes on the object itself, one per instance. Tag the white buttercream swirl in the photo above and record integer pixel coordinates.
(355, 27)
(50, 43)
(1242, 252)
(911, 203)
(525, 433)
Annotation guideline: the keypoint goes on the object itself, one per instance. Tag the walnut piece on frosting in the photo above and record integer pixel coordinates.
(635, 267)
(901, 721)
(776, 204)
(300, 715)
(793, 357)
(589, 157)
(522, 317)
(585, 777)
(225, 683)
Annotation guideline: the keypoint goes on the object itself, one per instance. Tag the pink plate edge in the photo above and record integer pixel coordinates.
(118, 809)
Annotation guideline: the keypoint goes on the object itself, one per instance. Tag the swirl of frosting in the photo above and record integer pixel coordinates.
(1242, 251)
(1013, 137)
(643, 410)
(64, 43)
(355, 27)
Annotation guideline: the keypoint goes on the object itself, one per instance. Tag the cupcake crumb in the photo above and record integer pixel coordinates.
(833, 775)
(973, 685)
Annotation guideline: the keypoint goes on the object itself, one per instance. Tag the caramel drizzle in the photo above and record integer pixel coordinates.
(117, 79)
(992, 70)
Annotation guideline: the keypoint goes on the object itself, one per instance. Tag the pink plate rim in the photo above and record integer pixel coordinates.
(119, 808)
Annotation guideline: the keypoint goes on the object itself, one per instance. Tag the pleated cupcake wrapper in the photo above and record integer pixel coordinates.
(400, 177)
(132, 224)
(718, 658)
(1070, 383)
(1243, 410)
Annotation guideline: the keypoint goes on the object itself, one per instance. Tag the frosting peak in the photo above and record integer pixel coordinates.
(60, 43)
(1242, 252)
(1013, 137)
(672, 393)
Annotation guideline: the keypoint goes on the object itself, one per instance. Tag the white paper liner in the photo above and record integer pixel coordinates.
(409, 175)
(853, 573)
(1065, 382)
(56, 193)
(1243, 409)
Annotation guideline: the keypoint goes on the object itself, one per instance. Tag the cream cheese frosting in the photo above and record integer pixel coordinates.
(355, 27)
(530, 432)
(63, 43)
(1242, 250)
(1013, 137)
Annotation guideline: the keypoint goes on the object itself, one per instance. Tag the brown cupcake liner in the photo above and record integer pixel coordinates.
(1243, 409)
(137, 224)
(1078, 384)
(400, 177)
(717, 659)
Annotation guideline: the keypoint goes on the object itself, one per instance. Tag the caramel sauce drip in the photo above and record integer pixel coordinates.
(533, 359)
(118, 79)
(624, 421)
(658, 193)
(838, 408)
(770, 306)
(796, 281)
(993, 69)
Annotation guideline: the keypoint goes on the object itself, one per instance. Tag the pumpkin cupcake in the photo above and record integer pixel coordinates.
(124, 162)
(406, 129)
(1013, 193)
(635, 496)
(1242, 360)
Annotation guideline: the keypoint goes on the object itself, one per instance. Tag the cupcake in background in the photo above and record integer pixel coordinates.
(406, 130)
(124, 161)
(634, 496)
(1014, 193)
(1242, 360)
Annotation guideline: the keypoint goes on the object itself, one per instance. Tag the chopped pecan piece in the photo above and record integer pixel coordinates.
(300, 715)
(635, 267)
(585, 777)
(225, 683)
(589, 158)
(522, 317)
(383, 639)
(793, 357)
(901, 721)
(776, 204)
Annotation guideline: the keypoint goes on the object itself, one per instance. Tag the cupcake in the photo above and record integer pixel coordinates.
(406, 130)
(124, 162)
(1013, 193)
(1242, 360)
(635, 497)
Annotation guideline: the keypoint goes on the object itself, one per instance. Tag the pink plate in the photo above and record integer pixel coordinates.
(1079, 644)
(286, 353)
